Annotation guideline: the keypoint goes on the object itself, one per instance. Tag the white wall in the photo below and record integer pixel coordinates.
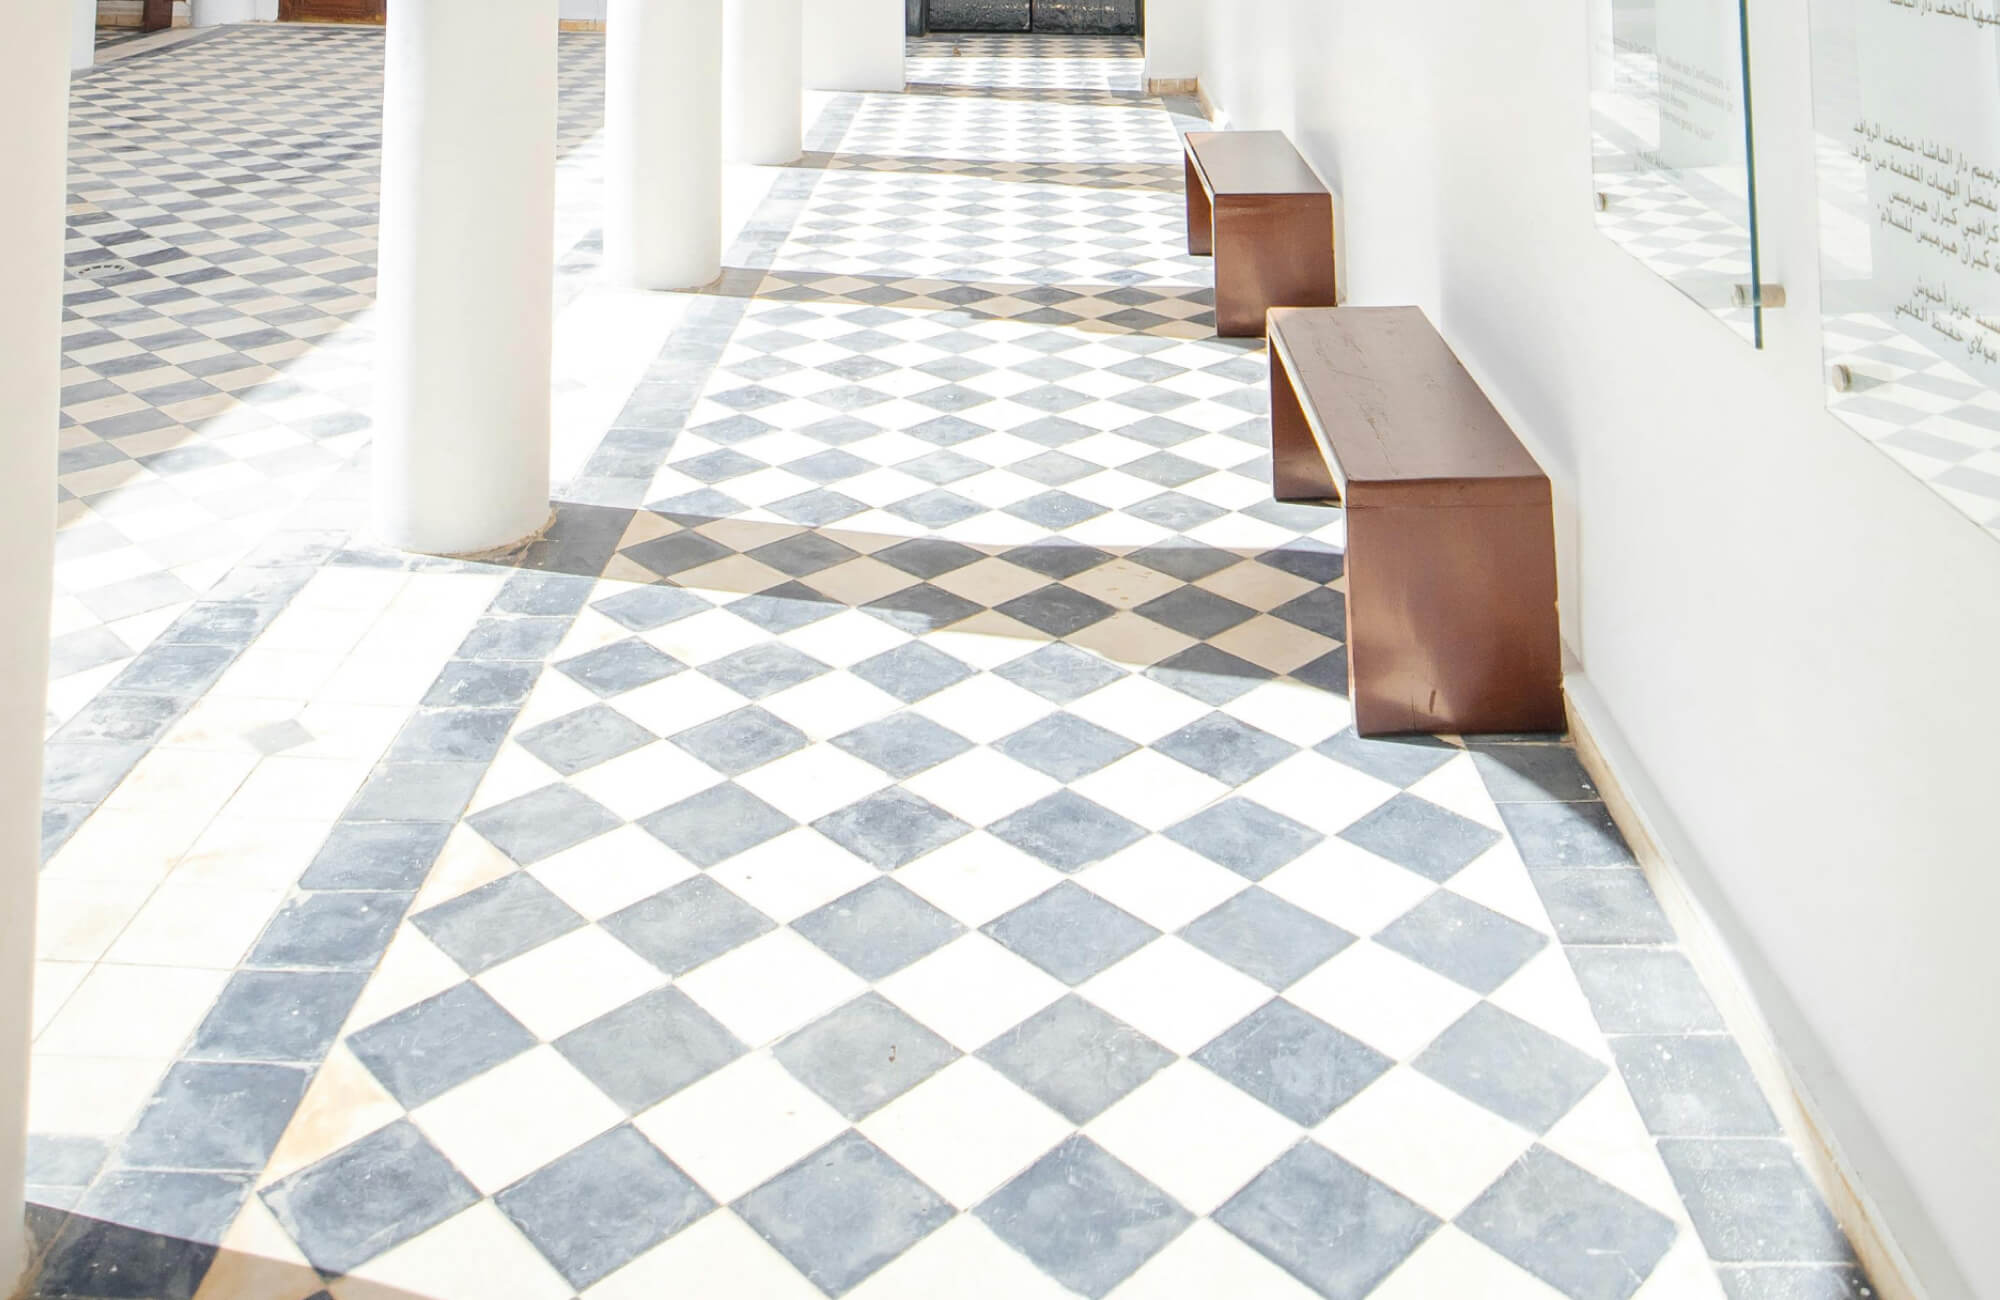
(854, 45)
(1796, 641)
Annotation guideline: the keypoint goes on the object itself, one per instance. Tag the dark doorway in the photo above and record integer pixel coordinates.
(330, 11)
(1097, 17)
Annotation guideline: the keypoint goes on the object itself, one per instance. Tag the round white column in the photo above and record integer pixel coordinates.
(663, 143)
(83, 33)
(34, 103)
(762, 81)
(466, 282)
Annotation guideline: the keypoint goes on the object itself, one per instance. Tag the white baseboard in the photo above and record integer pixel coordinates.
(1647, 824)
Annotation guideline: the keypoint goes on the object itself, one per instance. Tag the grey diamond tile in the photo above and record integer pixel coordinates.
(388, 856)
(1315, 561)
(1195, 612)
(784, 608)
(928, 557)
(1566, 835)
(937, 508)
(1267, 938)
(1411, 832)
(1225, 748)
(1060, 672)
(737, 742)
(484, 685)
(1245, 836)
(903, 744)
(1212, 676)
(1510, 1067)
(1569, 1228)
(1327, 1223)
(1597, 905)
(416, 792)
(690, 923)
(1533, 773)
(1694, 1085)
(526, 640)
(1057, 610)
(345, 931)
(496, 921)
(619, 667)
(817, 508)
(429, 1049)
(277, 1015)
(1322, 610)
(716, 824)
(1462, 941)
(543, 823)
(922, 608)
(646, 608)
(649, 1049)
(763, 670)
(912, 672)
(452, 736)
(368, 1197)
(596, 1209)
(1055, 510)
(878, 929)
(843, 1212)
(891, 828)
(1179, 558)
(584, 739)
(1643, 991)
(1057, 557)
(1083, 1217)
(1399, 760)
(1071, 933)
(1065, 746)
(1067, 831)
(1295, 1063)
(215, 1115)
(864, 1055)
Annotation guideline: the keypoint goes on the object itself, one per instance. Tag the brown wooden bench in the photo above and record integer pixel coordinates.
(1451, 564)
(1254, 205)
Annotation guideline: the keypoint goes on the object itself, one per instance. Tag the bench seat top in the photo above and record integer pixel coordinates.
(1251, 163)
(1396, 416)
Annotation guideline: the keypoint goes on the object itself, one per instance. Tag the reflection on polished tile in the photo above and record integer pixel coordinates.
(899, 834)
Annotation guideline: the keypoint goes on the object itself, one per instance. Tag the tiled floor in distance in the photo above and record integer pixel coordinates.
(898, 835)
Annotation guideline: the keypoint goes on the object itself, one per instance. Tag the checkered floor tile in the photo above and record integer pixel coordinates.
(917, 845)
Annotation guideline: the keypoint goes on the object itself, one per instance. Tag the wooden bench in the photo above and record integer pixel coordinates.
(1254, 205)
(1451, 565)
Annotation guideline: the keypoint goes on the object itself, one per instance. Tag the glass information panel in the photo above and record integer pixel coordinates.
(1907, 139)
(1670, 148)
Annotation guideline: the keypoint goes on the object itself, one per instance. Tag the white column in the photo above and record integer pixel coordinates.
(34, 103)
(762, 81)
(82, 33)
(855, 45)
(461, 451)
(663, 143)
(212, 13)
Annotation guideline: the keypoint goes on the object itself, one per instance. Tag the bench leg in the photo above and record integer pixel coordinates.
(1451, 616)
(1298, 468)
(1200, 214)
(1270, 252)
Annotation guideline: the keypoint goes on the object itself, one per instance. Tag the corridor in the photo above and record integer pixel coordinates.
(897, 835)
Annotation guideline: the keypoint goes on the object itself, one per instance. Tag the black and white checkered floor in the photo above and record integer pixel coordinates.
(899, 836)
